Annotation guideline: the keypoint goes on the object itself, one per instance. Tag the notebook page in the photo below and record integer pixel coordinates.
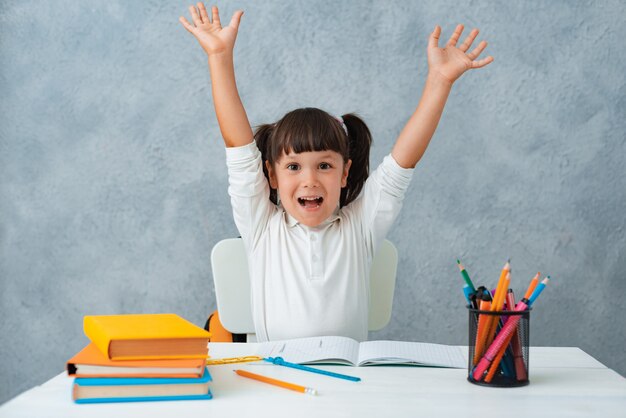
(402, 352)
(339, 350)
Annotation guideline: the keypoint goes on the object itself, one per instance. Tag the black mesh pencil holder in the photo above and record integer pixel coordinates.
(498, 348)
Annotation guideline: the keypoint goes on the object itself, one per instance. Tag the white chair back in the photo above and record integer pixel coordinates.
(232, 286)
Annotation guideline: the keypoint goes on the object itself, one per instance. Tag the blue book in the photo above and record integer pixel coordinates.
(140, 389)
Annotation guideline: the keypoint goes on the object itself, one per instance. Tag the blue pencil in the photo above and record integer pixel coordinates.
(280, 362)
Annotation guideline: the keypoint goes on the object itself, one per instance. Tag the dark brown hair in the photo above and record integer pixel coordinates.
(311, 129)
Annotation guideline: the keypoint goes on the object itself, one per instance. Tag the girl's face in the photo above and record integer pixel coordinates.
(309, 183)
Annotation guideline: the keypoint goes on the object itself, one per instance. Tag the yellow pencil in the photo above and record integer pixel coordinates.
(500, 290)
(276, 382)
(502, 294)
(498, 303)
(244, 359)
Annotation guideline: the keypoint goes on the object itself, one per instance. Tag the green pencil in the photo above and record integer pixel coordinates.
(466, 276)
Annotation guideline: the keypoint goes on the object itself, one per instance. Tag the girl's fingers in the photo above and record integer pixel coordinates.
(455, 36)
(216, 16)
(203, 13)
(468, 41)
(186, 24)
(481, 63)
(477, 51)
(234, 22)
(433, 40)
(197, 20)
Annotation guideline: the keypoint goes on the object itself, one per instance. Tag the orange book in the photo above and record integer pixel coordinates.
(90, 362)
(146, 336)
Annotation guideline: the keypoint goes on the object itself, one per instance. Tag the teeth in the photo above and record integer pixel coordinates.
(316, 199)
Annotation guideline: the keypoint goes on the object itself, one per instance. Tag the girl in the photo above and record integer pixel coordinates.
(310, 217)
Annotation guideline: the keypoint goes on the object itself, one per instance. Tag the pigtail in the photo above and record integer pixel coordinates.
(359, 143)
(262, 137)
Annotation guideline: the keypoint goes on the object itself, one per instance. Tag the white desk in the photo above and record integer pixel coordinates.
(564, 382)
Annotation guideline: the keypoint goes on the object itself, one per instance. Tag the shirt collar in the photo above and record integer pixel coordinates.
(291, 221)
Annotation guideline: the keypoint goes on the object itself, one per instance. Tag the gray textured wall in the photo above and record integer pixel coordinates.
(113, 181)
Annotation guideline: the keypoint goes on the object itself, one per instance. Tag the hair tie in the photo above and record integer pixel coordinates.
(342, 123)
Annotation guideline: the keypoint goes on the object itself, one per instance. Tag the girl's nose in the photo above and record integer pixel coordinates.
(310, 178)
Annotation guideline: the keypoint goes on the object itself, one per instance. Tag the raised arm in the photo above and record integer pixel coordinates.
(218, 42)
(445, 66)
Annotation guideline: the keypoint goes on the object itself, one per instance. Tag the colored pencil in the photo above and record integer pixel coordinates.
(466, 276)
(279, 361)
(532, 285)
(506, 331)
(276, 382)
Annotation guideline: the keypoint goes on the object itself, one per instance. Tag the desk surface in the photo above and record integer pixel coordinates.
(563, 382)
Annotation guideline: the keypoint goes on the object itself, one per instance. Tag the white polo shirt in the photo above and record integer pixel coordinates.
(311, 281)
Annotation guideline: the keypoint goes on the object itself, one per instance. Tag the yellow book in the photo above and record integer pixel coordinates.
(146, 336)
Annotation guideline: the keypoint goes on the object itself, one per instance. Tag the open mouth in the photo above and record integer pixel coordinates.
(310, 202)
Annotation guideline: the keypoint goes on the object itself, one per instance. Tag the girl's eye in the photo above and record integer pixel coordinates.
(325, 166)
(292, 167)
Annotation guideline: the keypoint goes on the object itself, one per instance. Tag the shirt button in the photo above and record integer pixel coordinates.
(315, 258)
(313, 238)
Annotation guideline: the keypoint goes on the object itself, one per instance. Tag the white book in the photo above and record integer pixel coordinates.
(343, 350)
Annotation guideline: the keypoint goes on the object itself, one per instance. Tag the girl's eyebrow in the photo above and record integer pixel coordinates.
(326, 156)
(329, 156)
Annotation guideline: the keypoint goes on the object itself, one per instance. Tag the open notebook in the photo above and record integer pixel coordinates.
(343, 350)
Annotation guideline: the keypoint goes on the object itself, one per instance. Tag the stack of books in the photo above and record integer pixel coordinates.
(142, 357)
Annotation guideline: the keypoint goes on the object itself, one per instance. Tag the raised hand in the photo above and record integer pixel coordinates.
(209, 32)
(451, 61)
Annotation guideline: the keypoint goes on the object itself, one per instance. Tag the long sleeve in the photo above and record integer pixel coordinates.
(381, 200)
(249, 192)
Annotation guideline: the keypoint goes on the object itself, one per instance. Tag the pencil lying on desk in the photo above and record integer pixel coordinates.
(279, 361)
(276, 382)
(232, 360)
